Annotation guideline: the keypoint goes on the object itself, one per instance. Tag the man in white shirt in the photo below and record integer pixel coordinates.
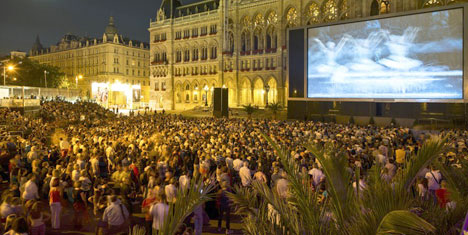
(237, 164)
(317, 175)
(30, 189)
(433, 177)
(115, 215)
(245, 174)
(159, 212)
(282, 186)
(171, 191)
(64, 147)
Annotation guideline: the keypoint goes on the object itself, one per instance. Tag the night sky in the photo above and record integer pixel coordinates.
(22, 20)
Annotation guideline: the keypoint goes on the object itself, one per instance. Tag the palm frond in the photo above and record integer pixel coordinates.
(430, 150)
(342, 198)
(187, 201)
(404, 222)
(303, 198)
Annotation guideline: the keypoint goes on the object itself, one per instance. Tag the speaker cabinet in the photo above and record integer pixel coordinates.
(220, 105)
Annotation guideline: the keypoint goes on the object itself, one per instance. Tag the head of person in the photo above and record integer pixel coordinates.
(20, 226)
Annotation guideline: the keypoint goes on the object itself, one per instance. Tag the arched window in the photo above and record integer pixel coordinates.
(330, 11)
(271, 38)
(214, 52)
(257, 42)
(291, 18)
(379, 7)
(313, 13)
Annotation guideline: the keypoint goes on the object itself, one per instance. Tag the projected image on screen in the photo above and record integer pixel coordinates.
(408, 57)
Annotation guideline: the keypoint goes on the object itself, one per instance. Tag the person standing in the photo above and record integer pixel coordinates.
(115, 215)
(55, 195)
(36, 220)
(30, 189)
(159, 212)
(245, 174)
(224, 207)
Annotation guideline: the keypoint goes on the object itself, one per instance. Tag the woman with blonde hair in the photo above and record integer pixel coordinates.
(36, 220)
(55, 196)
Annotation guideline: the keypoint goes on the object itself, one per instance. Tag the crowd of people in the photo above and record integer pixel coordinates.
(105, 167)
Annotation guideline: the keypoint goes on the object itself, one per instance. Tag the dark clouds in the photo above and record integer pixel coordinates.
(21, 20)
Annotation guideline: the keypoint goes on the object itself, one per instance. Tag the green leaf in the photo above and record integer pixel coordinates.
(404, 222)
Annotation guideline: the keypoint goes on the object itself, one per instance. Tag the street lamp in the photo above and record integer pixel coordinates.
(76, 79)
(45, 77)
(206, 95)
(5, 67)
(267, 89)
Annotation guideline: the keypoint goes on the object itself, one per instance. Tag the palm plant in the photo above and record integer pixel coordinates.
(249, 109)
(187, 201)
(274, 108)
(381, 208)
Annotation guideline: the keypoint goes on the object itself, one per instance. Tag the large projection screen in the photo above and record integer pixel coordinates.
(418, 56)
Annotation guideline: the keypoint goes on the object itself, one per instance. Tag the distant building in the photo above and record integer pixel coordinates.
(19, 54)
(114, 69)
(242, 46)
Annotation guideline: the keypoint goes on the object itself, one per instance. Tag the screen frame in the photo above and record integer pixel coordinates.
(463, 6)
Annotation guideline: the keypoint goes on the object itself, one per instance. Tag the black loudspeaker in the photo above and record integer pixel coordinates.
(220, 105)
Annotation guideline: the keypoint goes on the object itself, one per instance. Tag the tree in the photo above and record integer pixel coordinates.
(30, 73)
(249, 109)
(380, 208)
(274, 108)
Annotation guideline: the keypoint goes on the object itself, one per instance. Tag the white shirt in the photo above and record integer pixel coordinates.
(282, 188)
(30, 191)
(159, 212)
(64, 144)
(237, 164)
(6, 210)
(184, 181)
(245, 175)
(317, 175)
(75, 175)
(113, 214)
(433, 183)
(171, 192)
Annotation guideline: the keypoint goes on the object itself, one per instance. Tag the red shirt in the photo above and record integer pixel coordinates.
(54, 196)
(147, 204)
(442, 197)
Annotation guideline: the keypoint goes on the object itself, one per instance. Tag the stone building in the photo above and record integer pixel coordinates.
(112, 70)
(240, 46)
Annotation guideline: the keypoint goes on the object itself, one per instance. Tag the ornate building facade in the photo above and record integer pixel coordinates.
(240, 46)
(116, 66)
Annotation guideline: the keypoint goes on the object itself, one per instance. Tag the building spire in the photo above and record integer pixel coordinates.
(37, 46)
(111, 21)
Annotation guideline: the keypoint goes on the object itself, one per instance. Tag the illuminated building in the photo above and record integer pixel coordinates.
(104, 61)
(241, 46)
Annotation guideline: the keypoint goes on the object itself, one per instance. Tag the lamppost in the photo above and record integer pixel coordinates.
(45, 77)
(267, 89)
(5, 67)
(76, 79)
(206, 95)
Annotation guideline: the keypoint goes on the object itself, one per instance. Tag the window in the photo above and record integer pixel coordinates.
(213, 29)
(163, 86)
(204, 54)
(186, 55)
(204, 30)
(187, 33)
(133, 72)
(195, 32)
(214, 52)
(195, 54)
(163, 37)
(178, 56)
(156, 86)
(178, 35)
(126, 72)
